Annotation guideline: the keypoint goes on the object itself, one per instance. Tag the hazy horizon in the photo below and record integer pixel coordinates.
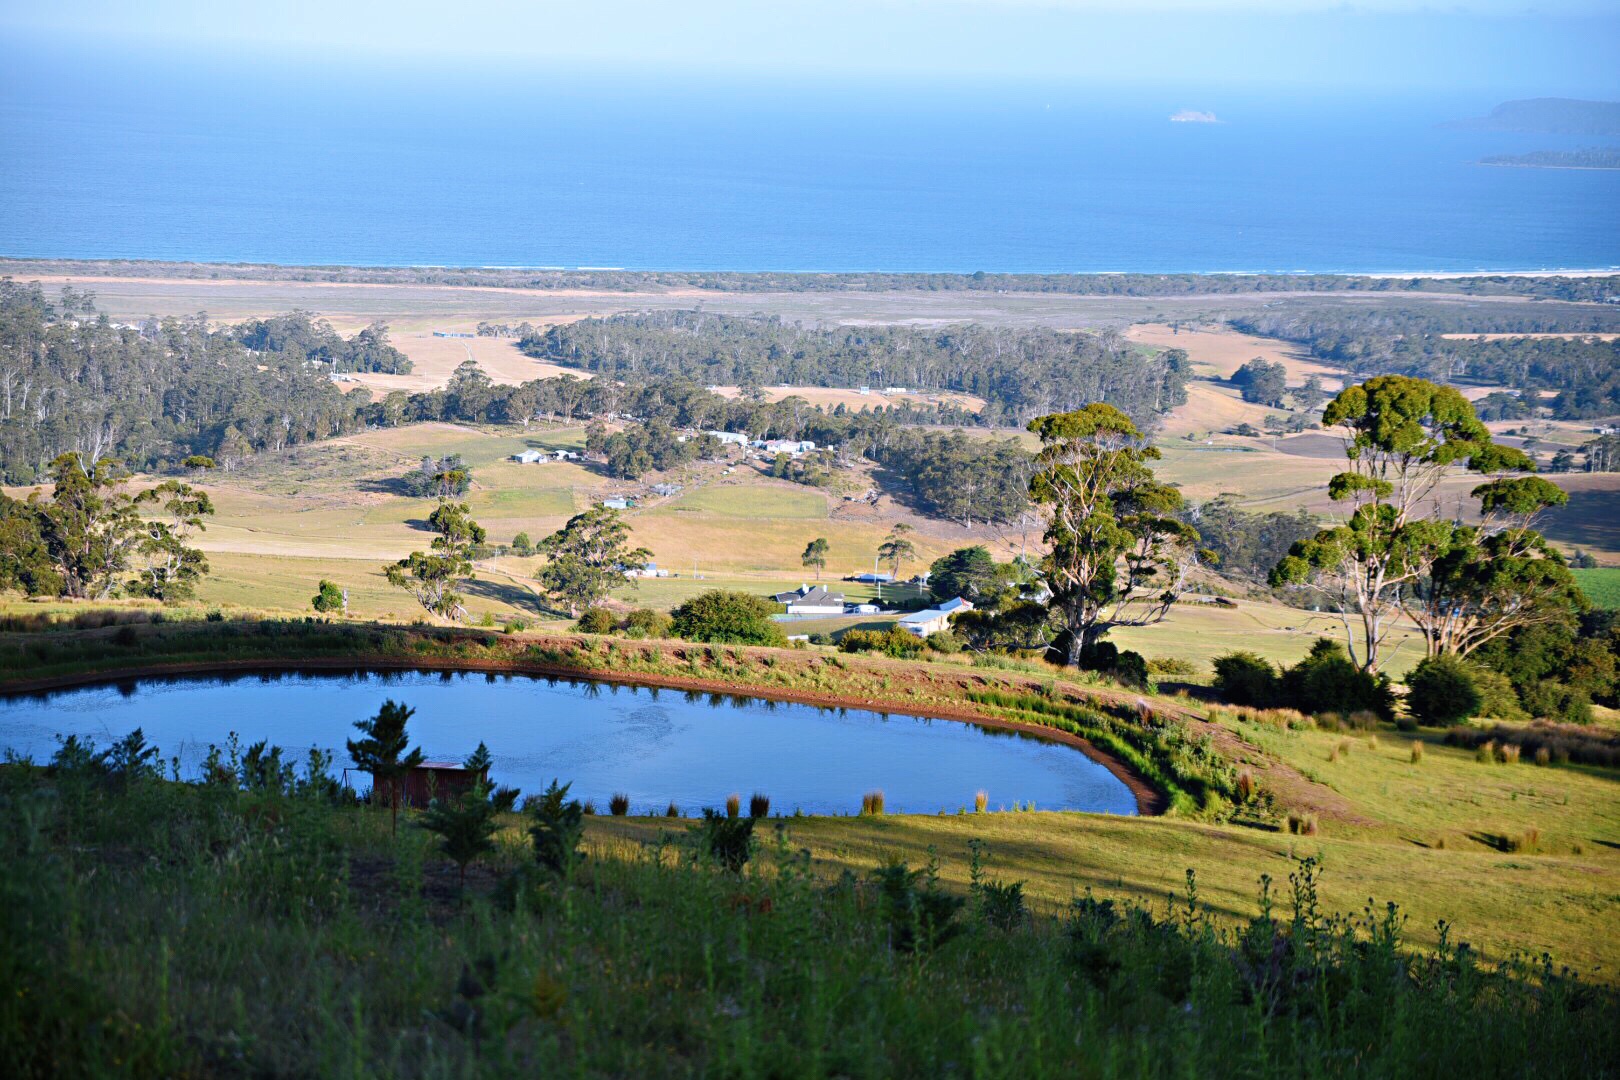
(1478, 46)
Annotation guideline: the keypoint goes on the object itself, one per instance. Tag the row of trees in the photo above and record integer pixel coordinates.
(748, 281)
(1020, 373)
(1582, 371)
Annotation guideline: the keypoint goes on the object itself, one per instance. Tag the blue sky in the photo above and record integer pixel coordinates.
(1511, 47)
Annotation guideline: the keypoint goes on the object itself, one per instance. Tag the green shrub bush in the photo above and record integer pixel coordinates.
(728, 618)
(1327, 681)
(1245, 678)
(1441, 690)
(597, 621)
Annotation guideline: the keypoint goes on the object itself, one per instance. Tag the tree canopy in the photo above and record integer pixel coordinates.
(586, 558)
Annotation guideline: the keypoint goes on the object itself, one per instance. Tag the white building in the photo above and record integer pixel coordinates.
(530, 457)
(808, 600)
(934, 619)
(795, 447)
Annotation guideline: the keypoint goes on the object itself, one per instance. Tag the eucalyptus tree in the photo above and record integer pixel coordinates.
(1402, 438)
(586, 558)
(815, 555)
(1118, 554)
(433, 576)
(897, 547)
(169, 567)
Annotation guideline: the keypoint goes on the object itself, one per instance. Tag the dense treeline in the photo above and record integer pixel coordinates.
(1019, 373)
(71, 381)
(1561, 288)
(959, 478)
(1248, 545)
(1584, 372)
(299, 334)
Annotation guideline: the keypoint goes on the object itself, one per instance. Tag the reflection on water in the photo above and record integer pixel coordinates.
(691, 747)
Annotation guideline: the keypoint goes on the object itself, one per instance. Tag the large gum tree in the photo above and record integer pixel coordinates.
(1402, 437)
(1118, 554)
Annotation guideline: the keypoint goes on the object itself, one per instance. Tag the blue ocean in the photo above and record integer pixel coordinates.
(134, 157)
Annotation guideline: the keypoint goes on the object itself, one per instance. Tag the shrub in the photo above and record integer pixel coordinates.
(733, 805)
(729, 840)
(1301, 824)
(514, 626)
(328, 597)
(1243, 678)
(901, 644)
(942, 641)
(981, 801)
(872, 803)
(1173, 669)
(1417, 752)
(759, 805)
(1497, 697)
(1507, 753)
(1543, 755)
(555, 828)
(729, 618)
(920, 915)
(596, 621)
(1441, 690)
(1003, 905)
(619, 804)
(1326, 681)
(672, 810)
(1549, 699)
(1485, 753)
(1362, 720)
(647, 623)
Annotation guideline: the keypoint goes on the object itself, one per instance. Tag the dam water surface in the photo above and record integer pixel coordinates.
(655, 745)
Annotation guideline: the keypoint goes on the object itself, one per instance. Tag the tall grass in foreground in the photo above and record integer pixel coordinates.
(139, 919)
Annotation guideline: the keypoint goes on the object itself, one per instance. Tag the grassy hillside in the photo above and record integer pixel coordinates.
(1601, 586)
(141, 918)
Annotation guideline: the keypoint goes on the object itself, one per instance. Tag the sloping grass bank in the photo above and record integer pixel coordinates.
(245, 927)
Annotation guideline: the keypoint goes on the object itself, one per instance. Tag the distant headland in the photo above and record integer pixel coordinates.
(1549, 116)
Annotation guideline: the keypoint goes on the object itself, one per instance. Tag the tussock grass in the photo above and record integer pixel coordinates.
(1563, 743)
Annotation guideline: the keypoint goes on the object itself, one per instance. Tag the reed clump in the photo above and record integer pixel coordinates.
(981, 801)
(872, 803)
(1417, 751)
(733, 805)
(759, 805)
(619, 804)
(1301, 823)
